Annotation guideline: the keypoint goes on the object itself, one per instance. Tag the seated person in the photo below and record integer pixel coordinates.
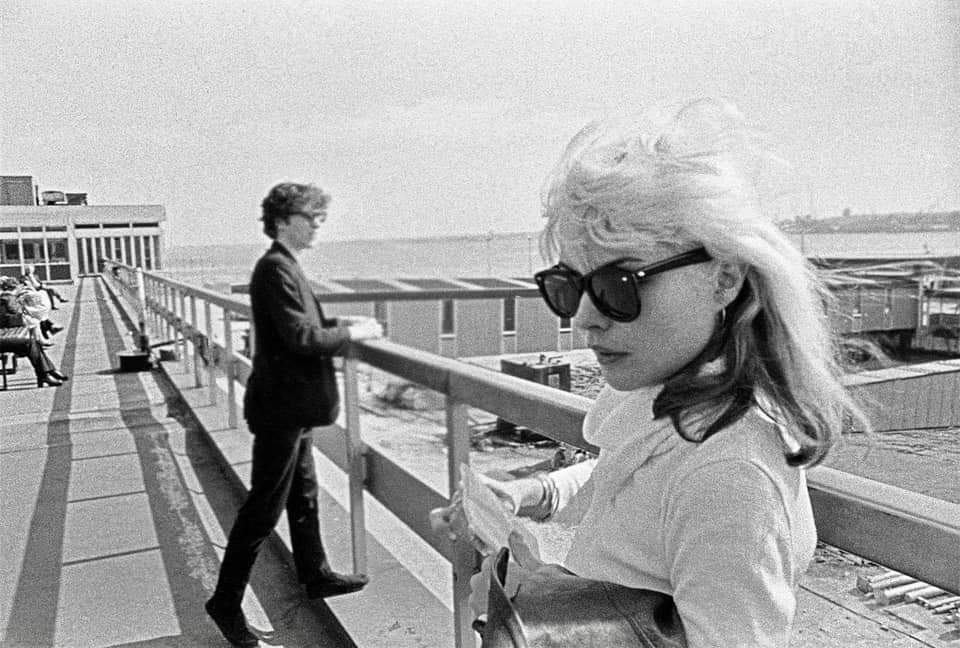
(31, 280)
(33, 307)
(29, 347)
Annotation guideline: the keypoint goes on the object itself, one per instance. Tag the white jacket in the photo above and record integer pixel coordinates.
(725, 526)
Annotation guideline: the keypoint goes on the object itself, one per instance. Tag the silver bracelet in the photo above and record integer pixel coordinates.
(549, 500)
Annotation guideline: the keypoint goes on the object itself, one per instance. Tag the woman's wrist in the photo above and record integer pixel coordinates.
(541, 499)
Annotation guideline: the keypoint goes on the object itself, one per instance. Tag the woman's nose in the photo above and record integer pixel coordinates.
(588, 316)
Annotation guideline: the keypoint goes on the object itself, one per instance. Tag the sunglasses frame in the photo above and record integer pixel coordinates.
(637, 277)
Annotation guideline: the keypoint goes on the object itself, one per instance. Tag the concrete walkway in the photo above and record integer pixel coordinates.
(114, 508)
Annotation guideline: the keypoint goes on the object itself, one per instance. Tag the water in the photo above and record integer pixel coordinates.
(504, 255)
(925, 461)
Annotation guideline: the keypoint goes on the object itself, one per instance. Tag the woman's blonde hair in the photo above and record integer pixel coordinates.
(696, 178)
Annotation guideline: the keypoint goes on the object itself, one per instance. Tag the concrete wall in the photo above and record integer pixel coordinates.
(537, 327)
(910, 397)
(415, 323)
(479, 326)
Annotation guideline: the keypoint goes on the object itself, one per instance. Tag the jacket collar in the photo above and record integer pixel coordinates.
(283, 249)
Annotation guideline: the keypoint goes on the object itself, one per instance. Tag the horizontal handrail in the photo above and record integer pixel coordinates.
(906, 531)
(555, 413)
(412, 295)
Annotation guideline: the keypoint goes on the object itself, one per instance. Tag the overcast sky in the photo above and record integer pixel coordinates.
(443, 117)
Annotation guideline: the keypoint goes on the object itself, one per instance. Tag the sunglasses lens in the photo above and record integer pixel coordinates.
(615, 294)
(561, 294)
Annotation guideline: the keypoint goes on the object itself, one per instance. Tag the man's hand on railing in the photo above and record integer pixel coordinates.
(363, 328)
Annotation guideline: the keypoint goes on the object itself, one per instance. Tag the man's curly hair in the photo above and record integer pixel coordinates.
(289, 198)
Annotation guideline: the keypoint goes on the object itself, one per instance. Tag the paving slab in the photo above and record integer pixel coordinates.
(100, 598)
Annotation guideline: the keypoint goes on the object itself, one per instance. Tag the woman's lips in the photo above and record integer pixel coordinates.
(607, 356)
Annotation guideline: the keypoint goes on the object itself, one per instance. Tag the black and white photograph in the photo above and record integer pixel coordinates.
(480, 323)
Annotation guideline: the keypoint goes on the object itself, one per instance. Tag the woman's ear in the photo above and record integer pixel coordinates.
(730, 277)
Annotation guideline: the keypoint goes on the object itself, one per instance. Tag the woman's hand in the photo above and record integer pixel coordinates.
(524, 565)
(518, 495)
(450, 520)
(515, 495)
(521, 559)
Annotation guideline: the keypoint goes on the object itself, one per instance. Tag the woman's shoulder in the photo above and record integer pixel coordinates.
(752, 440)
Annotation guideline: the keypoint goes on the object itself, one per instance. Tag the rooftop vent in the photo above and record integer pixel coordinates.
(53, 197)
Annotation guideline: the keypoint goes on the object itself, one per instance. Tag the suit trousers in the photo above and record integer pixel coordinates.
(32, 350)
(283, 477)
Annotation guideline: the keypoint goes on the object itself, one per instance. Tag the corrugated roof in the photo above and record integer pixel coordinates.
(490, 282)
(431, 284)
(366, 285)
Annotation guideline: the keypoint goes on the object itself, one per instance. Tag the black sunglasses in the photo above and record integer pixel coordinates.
(614, 291)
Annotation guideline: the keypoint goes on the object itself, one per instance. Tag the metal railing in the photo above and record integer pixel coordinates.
(905, 531)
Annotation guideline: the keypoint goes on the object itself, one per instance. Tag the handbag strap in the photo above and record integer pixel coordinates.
(503, 626)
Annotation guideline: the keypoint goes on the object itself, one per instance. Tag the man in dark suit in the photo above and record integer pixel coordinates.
(291, 389)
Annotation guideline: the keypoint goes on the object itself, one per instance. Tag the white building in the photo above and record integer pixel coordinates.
(64, 241)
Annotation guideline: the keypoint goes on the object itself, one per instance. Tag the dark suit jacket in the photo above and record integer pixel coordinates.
(10, 312)
(293, 383)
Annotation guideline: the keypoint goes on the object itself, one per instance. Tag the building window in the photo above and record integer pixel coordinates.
(10, 252)
(33, 251)
(447, 325)
(565, 324)
(509, 314)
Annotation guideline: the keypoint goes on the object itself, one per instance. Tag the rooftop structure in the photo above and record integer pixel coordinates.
(64, 237)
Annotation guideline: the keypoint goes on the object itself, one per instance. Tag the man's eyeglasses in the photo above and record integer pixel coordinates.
(316, 217)
(614, 291)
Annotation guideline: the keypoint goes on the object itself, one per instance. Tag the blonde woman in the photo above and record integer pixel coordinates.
(709, 328)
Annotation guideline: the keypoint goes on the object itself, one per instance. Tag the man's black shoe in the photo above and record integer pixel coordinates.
(334, 584)
(232, 625)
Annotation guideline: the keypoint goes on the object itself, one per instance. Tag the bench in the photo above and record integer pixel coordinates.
(12, 343)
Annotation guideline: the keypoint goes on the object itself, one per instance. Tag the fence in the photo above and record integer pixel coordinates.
(905, 531)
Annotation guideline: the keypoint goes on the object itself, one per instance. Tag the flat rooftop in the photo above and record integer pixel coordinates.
(118, 489)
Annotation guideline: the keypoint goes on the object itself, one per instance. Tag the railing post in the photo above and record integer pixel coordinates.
(143, 343)
(252, 339)
(464, 555)
(174, 320)
(168, 311)
(356, 461)
(211, 366)
(155, 298)
(183, 331)
(229, 368)
(196, 348)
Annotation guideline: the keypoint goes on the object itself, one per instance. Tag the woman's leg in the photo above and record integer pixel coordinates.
(52, 293)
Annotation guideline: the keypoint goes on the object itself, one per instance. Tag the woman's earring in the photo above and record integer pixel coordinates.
(723, 316)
